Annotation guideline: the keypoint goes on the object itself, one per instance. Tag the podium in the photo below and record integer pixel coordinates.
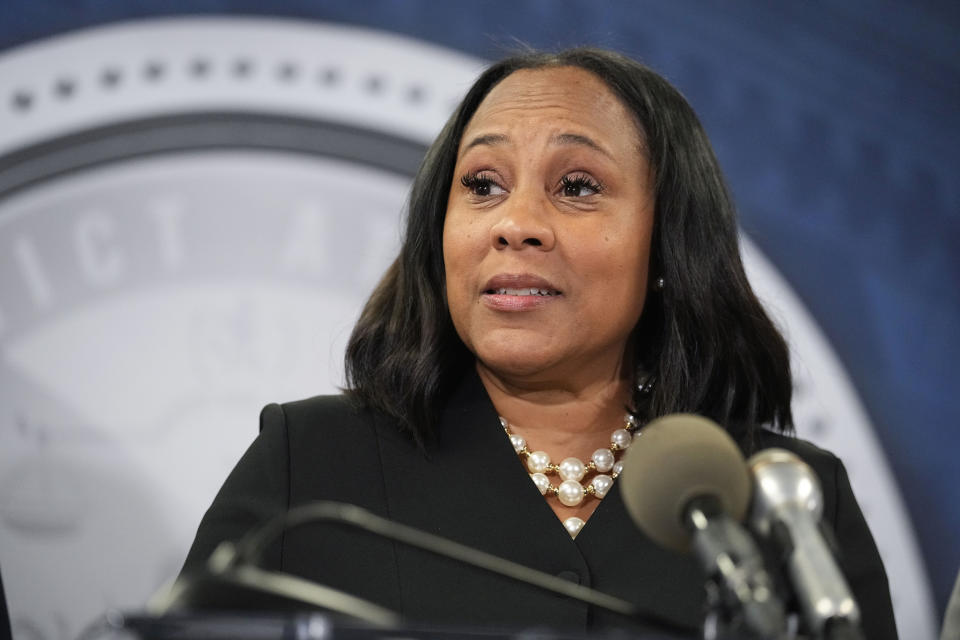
(317, 626)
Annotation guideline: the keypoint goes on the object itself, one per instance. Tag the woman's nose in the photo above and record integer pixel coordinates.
(524, 222)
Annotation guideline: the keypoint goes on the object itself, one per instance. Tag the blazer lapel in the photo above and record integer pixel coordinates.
(471, 487)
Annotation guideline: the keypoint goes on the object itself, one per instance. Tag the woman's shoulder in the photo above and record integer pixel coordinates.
(810, 452)
(330, 419)
(838, 498)
(338, 408)
(824, 462)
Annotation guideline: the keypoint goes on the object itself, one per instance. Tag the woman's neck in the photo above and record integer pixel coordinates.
(563, 420)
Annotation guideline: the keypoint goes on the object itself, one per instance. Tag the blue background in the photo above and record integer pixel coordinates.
(837, 124)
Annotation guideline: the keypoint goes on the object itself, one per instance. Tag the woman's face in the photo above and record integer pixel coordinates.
(546, 241)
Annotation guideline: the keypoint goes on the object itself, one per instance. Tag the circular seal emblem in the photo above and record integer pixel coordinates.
(192, 213)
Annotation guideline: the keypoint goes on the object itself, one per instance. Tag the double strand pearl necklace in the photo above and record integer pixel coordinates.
(570, 491)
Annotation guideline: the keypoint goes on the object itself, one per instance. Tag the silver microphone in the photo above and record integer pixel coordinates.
(787, 508)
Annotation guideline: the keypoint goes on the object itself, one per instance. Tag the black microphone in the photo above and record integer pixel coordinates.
(233, 580)
(787, 508)
(230, 584)
(686, 485)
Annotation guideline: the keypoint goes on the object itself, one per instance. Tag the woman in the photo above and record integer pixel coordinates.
(570, 270)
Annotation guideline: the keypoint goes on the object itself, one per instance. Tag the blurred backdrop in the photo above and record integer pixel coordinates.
(196, 198)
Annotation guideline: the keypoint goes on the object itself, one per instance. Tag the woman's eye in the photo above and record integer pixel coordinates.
(579, 186)
(481, 185)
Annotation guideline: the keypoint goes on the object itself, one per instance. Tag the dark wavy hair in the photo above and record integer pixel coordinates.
(704, 341)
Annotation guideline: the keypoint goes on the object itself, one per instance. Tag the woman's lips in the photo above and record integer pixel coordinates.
(518, 292)
(508, 302)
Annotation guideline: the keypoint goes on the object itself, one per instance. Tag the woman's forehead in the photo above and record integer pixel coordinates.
(557, 99)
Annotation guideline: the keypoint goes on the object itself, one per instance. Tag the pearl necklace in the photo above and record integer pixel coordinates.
(572, 470)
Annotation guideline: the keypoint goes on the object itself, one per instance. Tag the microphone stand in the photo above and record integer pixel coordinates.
(741, 596)
(248, 552)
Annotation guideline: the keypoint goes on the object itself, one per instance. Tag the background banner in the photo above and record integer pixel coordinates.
(196, 198)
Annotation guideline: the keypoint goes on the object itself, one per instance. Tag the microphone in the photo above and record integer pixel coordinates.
(787, 508)
(685, 484)
(233, 578)
(229, 584)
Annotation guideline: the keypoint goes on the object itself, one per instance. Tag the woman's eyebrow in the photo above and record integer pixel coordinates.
(490, 139)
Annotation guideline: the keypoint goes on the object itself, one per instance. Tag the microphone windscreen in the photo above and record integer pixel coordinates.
(674, 459)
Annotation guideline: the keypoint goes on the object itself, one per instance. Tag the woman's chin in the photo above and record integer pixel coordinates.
(516, 365)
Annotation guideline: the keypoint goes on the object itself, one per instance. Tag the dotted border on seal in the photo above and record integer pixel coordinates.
(64, 87)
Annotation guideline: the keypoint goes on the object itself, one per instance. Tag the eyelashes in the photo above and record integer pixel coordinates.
(572, 185)
(479, 183)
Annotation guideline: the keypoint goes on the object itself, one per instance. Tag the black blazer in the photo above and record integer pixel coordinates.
(470, 486)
